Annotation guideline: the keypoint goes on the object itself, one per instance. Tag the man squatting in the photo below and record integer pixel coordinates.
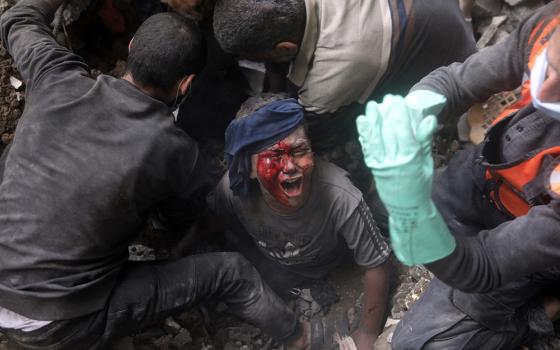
(91, 160)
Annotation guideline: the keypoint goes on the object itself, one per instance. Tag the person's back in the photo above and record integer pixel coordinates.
(89, 161)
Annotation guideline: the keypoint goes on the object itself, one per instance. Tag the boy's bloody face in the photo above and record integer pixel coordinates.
(284, 169)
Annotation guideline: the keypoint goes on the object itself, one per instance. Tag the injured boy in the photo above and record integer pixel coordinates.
(295, 217)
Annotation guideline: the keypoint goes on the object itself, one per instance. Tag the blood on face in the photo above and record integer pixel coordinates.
(284, 170)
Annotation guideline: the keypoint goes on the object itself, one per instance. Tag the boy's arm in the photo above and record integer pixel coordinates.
(371, 251)
(26, 35)
(376, 292)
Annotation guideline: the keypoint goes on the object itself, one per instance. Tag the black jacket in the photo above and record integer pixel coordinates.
(89, 161)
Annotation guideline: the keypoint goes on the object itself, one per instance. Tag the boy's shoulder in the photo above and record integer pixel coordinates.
(334, 181)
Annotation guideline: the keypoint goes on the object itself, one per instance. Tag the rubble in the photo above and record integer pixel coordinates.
(492, 20)
(491, 31)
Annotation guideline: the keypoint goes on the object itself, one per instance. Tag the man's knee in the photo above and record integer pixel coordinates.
(237, 266)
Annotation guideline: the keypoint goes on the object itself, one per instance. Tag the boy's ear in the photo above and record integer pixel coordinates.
(254, 158)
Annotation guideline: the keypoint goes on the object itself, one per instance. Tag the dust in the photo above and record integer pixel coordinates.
(11, 99)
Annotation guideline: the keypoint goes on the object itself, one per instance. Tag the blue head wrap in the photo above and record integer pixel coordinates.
(251, 134)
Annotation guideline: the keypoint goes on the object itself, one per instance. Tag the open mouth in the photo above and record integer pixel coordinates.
(292, 187)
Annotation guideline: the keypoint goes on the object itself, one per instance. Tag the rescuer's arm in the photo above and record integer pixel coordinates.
(26, 35)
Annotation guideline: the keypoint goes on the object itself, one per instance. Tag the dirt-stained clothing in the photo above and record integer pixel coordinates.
(416, 49)
(91, 159)
(354, 50)
(310, 242)
(501, 264)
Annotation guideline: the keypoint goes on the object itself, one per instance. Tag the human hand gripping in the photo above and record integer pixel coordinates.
(396, 141)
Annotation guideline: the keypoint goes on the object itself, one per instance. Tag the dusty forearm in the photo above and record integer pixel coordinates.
(376, 287)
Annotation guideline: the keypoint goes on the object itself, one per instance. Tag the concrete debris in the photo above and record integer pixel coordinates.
(15, 82)
(162, 343)
(5, 4)
(139, 252)
(486, 8)
(181, 340)
(513, 2)
(384, 340)
(491, 31)
(171, 326)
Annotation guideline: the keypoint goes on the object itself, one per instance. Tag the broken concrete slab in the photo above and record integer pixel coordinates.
(490, 32)
(486, 8)
(514, 2)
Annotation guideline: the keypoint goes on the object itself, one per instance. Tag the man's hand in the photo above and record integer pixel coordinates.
(396, 140)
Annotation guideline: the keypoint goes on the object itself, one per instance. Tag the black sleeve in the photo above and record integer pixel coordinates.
(515, 249)
(185, 178)
(27, 37)
(493, 69)
(363, 237)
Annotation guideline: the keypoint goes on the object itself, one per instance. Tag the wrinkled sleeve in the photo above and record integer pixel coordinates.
(512, 250)
(493, 69)
(183, 175)
(363, 237)
(220, 200)
(27, 37)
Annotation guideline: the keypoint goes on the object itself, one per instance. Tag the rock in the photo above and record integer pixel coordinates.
(230, 346)
(239, 334)
(384, 340)
(182, 339)
(162, 343)
(486, 8)
(513, 2)
(125, 343)
(139, 252)
(171, 326)
(491, 31)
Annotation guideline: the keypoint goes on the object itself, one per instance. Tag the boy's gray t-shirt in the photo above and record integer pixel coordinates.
(313, 240)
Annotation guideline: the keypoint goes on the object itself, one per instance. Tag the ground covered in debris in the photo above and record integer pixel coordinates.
(212, 326)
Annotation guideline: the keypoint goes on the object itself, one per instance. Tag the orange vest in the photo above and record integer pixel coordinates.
(507, 183)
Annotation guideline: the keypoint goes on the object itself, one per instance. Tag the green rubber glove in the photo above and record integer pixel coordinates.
(425, 101)
(396, 141)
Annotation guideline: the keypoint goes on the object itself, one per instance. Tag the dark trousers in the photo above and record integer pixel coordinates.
(148, 292)
(446, 318)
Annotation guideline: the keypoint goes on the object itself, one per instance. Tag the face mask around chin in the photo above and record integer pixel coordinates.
(538, 76)
(179, 99)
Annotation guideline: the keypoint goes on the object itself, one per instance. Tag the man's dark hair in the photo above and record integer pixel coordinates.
(256, 26)
(164, 49)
